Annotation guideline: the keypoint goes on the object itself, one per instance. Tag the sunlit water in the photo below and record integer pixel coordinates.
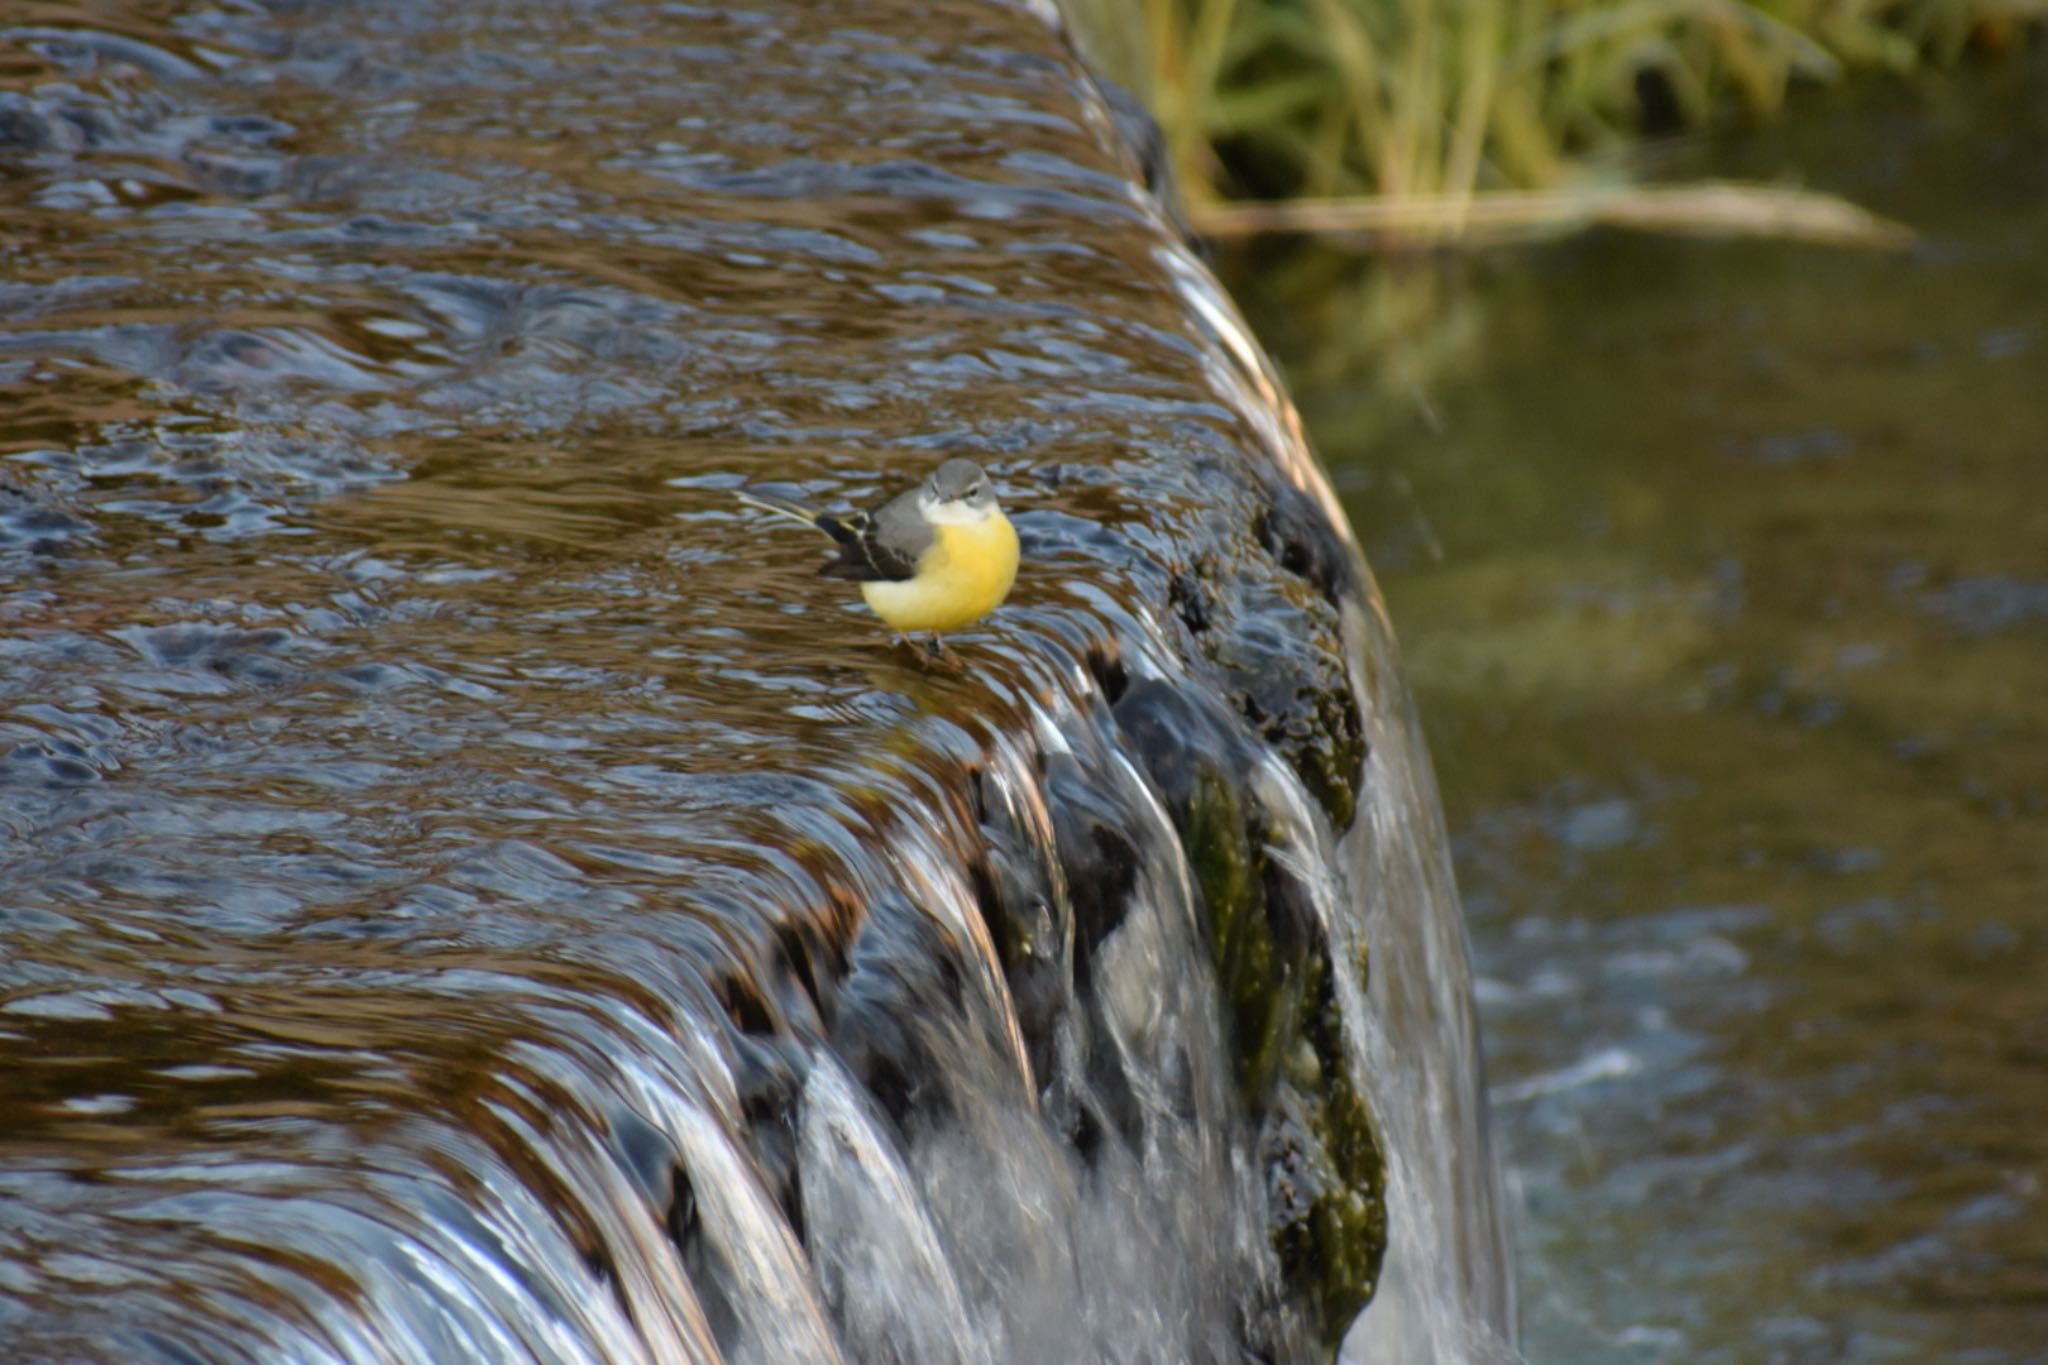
(471, 892)
(1723, 572)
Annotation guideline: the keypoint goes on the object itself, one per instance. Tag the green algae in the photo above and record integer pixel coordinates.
(1326, 1177)
(1258, 977)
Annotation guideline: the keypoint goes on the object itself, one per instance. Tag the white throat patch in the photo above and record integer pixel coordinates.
(953, 512)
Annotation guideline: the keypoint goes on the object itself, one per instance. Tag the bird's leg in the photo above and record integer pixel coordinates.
(936, 647)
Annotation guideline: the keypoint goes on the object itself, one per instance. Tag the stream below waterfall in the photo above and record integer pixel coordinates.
(1722, 572)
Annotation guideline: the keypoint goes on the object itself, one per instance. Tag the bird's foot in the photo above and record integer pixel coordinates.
(931, 652)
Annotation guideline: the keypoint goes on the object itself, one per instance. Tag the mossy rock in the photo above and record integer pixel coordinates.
(1325, 1176)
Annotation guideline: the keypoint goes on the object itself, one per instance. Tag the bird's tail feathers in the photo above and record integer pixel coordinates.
(844, 529)
(781, 506)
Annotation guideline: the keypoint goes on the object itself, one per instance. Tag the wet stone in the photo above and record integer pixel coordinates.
(1098, 859)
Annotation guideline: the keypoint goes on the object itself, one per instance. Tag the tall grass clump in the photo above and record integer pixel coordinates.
(1423, 106)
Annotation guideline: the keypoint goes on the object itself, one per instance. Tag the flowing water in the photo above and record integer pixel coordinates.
(467, 889)
(1723, 573)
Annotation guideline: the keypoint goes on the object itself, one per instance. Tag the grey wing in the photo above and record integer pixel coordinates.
(898, 534)
(884, 545)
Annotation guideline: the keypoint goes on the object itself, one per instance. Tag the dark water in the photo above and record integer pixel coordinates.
(468, 891)
(1723, 574)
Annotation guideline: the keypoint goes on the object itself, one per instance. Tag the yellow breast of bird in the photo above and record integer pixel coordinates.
(966, 573)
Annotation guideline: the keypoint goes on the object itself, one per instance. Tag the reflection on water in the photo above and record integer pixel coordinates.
(469, 894)
(1725, 584)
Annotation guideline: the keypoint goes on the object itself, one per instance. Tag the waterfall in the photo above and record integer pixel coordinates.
(473, 894)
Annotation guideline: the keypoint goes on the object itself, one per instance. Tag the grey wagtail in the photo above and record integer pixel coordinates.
(932, 558)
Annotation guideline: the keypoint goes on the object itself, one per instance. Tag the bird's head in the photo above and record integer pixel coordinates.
(957, 491)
